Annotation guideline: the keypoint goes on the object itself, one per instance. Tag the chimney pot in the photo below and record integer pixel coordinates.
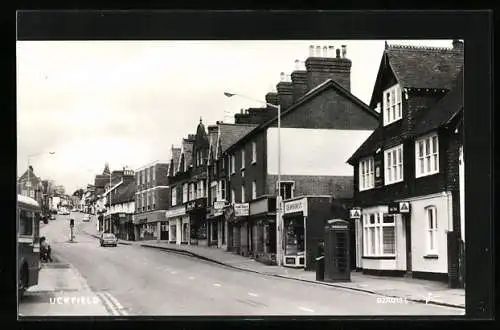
(318, 51)
(325, 51)
(311, 51)
(344, 51)
(338, 53)
(297, 63)
(330, 51)
(282, 76)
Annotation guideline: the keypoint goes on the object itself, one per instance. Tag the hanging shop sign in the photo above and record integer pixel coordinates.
(196, 204)
(241, 210)
(219, 205)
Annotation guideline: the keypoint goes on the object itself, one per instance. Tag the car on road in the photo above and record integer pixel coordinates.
(86, 218)
(52, 217)
(108, 239)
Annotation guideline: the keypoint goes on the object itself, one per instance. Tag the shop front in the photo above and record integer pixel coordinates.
(125, 227)
(196, 226)
(178, 220)
(262, 219)
(216, 225)
(304, 219)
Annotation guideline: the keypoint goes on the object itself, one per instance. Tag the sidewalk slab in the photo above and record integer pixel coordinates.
(415, 290)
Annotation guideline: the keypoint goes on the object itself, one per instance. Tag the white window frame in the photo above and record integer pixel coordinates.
(254, 152)
(153, 172)
(242, 159)
(147, 174)
(223, 187)
(366, 173)
(233, 164)
(254, 190)
(392, 110)
(292, 189)
(431, 230)
(173, 194)
(185, 192)
(429, 158)
(394, 164)
(376, 249)
(243, 193)
(233, 198)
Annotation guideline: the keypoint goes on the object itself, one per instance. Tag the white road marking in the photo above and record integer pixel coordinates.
(253, 294)
(107, 303)
(191, 278)
(217, 284)
(121, 309)
(306, 309)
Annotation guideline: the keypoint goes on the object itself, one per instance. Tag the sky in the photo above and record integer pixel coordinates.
(128, 102)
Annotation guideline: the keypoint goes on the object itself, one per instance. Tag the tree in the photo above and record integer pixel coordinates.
(78, 193)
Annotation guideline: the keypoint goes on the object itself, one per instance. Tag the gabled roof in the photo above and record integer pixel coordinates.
(328, 84)
(231, 133)
(124, 193)
(425, 67)
(212, 140)
(440, 114)
(186, 153)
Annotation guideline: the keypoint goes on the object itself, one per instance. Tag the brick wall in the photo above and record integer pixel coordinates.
(336, 186)
(330, 110)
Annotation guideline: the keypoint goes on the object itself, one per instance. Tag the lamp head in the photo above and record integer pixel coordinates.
(228, 94)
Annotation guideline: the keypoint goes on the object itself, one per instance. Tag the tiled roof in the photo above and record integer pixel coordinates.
(231, 133)
(425, 67)
(124, 193)
(187, 149)
(176, 154)
(212, 140)
(443, 111)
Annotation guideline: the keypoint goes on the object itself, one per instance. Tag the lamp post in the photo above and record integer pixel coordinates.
(279, 215)
(29, 163)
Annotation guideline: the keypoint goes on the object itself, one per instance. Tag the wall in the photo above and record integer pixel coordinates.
(313, 151)
(337, 186)
(462, 194)
(419, 241)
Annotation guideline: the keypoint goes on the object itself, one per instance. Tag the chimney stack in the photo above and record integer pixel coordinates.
(272, 98)
(457, 44)
(299, 82)
(319, 69)
(285, 92)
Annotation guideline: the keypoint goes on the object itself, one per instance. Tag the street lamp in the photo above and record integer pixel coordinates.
(29, 163)
(279, 218)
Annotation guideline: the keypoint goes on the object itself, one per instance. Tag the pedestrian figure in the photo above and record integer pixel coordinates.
(45, 250)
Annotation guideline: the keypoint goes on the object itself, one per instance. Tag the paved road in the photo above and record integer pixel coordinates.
(153, 282)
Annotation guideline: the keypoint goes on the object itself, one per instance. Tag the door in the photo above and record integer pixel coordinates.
(407, 221)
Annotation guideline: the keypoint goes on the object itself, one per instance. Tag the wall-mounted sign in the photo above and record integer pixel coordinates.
(296, 206)
(379, 180)
(219, 205)
(241, 210)
(393, 208)
(355, 213)
(190, 206)
(175, 212)
(404, 207)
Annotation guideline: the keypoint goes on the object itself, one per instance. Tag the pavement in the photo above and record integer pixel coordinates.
(364, 295)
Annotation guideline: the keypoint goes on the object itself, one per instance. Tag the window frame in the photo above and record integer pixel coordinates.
(233, 164)
(292, 188)
(243, 193)
(376, 231)
(431, 233)
(173, 196)
(390, 165)
(394, 106)
(368, 175)
(432, 156)
(254, 152)
(254, 190)
(243, 159)
(185, 190)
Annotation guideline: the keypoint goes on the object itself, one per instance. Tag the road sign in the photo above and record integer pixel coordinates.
(355, 213)
(404, 207)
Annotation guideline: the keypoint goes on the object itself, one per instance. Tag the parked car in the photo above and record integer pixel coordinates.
(86, 218)
(108, 239)
(52, 217)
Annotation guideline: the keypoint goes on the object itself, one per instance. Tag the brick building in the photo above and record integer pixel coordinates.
(123, 207)
(322, 124)
(407, 172)
(151, 201)
(221, 136)
(119, 180)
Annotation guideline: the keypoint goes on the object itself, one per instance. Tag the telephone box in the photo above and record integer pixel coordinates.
(337, 251)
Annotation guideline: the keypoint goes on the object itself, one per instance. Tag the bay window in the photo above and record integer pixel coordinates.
(427, 155)
(393, 163)
(379, 234)
(392, 105)
(366, 174)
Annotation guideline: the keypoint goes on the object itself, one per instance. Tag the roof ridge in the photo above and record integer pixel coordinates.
(422, 48)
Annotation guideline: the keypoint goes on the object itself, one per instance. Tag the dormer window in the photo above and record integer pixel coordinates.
(392, 105)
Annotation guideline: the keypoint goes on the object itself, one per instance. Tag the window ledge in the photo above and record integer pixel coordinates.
(366, 189)
(431, 256)
(380, 257)
(394, 182)
(254, 162)
(426, 174)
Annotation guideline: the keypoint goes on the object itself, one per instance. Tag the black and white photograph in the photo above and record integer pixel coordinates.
(240, 177)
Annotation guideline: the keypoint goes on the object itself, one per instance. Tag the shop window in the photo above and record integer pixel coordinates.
(379, 235)
(26, 223)
(223, 231)
(294, 237)
(431, 217)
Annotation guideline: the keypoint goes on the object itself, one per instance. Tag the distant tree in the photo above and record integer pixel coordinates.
(78, 193)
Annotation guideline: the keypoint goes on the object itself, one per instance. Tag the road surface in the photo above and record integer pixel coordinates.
(146, 281)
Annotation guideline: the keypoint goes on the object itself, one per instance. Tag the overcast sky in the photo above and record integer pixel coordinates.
(127, 102)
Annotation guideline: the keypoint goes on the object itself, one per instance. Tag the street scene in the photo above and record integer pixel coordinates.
(336, 192)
